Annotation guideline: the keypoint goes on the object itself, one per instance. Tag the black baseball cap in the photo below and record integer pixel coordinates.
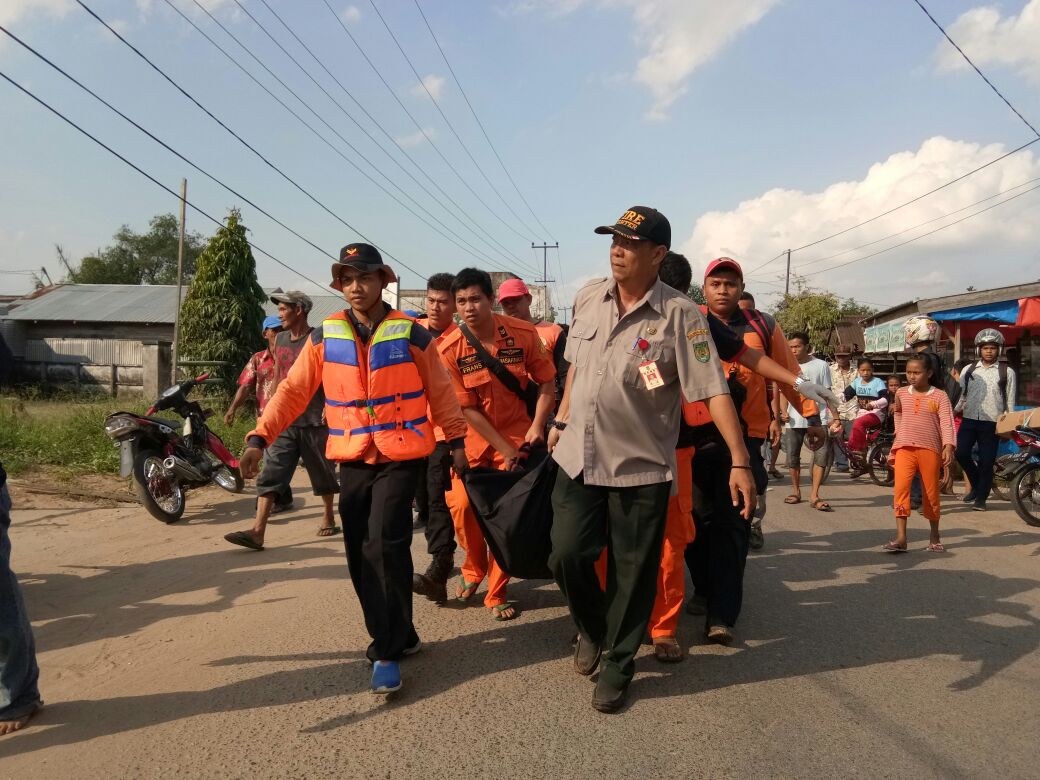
(641, 223)
(363, 257)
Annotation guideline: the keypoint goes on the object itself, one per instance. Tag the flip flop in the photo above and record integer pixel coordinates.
(821, 506)
(464, 597)
(329, 530)
(892, 547)
(667, 650)
(242, 539)
(793, 499)
(498, 609)
(937, 547)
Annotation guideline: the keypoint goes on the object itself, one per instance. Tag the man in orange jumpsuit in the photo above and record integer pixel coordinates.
(382, 378)
(515, 299)
(500, 420)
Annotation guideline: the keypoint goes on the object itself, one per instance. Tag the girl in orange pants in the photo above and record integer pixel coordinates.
(671, 580)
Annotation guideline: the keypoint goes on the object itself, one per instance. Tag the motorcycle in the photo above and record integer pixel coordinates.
(1021, 472)
(164, 463)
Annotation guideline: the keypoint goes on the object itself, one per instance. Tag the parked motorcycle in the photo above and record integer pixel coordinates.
(165, 463)
(1021, 471)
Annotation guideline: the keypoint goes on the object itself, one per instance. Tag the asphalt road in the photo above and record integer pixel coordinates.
(167, 653)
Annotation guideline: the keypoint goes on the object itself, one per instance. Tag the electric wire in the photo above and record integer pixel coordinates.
(340, 106)
(479, 123)
(415, 122)
(447, 121)
(241, 140)
(470, 250)
(147, 175)
(977, 70)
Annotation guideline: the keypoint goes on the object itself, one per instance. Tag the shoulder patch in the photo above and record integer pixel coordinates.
(317, 335)
(420, 337)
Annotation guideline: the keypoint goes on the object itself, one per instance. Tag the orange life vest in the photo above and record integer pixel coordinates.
(374, 393)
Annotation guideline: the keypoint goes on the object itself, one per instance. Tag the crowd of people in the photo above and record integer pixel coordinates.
(663, 419)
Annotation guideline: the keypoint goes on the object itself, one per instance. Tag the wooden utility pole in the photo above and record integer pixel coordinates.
(180, 281)
(545, 274)
(787, 278)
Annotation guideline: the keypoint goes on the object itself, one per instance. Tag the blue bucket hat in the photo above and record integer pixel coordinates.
(274, 321)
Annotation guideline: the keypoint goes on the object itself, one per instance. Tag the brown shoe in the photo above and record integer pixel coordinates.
(719, 634)
(586, 655)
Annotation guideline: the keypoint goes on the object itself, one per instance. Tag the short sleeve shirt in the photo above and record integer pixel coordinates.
(622, 432)
(286, 352)
(519, 348)
(259, 374)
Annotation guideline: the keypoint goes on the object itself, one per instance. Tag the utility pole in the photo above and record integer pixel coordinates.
(545, 274)
(787, 278)
(563, 313)
(180, 281)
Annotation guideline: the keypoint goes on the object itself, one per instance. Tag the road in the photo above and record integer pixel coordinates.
(167, 653)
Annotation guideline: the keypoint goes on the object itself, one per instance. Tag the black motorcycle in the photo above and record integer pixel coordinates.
(1021, 472)
(166, 463)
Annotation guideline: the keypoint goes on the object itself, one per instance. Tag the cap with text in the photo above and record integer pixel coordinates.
(643, 224)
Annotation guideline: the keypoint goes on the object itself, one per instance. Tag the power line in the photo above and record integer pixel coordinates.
(976, 69)
(447, 121)
(147, 175)
(479, 123)
(460, 211)
(767, 262)
(470, 250)
(415, 122)
(239, 138)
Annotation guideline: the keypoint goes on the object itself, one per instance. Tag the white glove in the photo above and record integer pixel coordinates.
(823, 396)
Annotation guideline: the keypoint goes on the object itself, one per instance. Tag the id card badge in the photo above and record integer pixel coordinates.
(651, 376)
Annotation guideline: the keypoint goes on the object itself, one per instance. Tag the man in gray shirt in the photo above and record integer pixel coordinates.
(636, 348)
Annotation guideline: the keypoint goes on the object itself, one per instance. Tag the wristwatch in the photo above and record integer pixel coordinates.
(558, 424)
(801, 380)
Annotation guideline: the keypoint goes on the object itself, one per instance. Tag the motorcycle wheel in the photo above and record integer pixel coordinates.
(1025, 495)
(161, 494)
(877, 464)
(999, 488)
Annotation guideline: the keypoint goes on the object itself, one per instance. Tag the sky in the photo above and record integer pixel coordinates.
(755, 127)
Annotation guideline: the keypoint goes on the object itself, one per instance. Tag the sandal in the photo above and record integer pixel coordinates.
(464, 591)
(793, 499)
(667, 650)
(936, 547)
(329, 530)
(821, 506)
(892, 547)
(500, 610)
(775, 474)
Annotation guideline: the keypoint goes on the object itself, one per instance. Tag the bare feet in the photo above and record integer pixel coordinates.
(11, 726)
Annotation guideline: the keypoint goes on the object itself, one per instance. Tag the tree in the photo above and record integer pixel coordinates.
(696, 294)
(140, 258)
(815, 311)
(223, 311)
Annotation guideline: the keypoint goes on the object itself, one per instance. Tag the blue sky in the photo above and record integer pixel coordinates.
(753, 126)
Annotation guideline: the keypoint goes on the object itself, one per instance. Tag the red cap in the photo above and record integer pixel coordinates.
(512, 288)
(724, 264)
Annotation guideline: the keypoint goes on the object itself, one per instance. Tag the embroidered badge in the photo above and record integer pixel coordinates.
(509, 357)
(701, 351)
(470, 364)
(692, 334)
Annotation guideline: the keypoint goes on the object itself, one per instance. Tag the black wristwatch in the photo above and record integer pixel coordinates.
(558, 425)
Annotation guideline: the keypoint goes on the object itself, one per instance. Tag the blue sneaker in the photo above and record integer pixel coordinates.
(386, 677)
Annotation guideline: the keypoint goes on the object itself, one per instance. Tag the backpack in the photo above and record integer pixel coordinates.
(762, 326)
(1002, 381)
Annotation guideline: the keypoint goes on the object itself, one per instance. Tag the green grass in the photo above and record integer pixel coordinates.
(69, 433)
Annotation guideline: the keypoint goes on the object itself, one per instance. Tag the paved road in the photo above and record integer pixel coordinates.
(165, 653)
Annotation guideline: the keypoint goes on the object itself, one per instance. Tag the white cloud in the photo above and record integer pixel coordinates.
(416, 138)
(991, 39)
(677, 36)
(13, 10)
(998, 241)
(432, 83)
(350, 15)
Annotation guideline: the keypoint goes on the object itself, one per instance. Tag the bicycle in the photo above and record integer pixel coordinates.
(872, 461)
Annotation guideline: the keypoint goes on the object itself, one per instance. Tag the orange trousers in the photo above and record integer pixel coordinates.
(679, 532)
(926, 462)
(479, 560)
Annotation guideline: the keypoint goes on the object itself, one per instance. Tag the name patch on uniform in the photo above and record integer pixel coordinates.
(470, 364)
(692, 334)
(513, 356)
(701, 351)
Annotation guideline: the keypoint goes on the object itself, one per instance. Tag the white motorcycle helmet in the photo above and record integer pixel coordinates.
(989, 336)
(920, 329)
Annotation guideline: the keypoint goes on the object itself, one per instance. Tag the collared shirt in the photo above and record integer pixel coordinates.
(981, 392)
(840, 379)
(620, 432)
(259, 374)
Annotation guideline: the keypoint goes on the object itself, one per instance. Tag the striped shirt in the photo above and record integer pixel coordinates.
(923, 419)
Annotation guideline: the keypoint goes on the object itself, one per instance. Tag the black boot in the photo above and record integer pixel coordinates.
(434, 583)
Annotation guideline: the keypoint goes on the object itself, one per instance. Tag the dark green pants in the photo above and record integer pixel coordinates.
(629, 522)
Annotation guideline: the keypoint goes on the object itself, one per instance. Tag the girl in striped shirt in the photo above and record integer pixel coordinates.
(924, 444)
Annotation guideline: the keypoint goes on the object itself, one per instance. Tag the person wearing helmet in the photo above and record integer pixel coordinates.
(987, 393)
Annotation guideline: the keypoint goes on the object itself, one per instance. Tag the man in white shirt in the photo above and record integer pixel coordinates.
(987, 392)
(799, 426)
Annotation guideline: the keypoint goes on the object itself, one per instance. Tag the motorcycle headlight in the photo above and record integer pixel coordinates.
(119, 425)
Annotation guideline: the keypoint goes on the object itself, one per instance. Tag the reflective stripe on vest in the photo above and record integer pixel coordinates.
(340, 346)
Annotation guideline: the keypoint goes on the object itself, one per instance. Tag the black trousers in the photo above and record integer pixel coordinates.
(717, 556)
(440, 530)
(984, 435)
(629, 522)
(375, 507)
(422, 495)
